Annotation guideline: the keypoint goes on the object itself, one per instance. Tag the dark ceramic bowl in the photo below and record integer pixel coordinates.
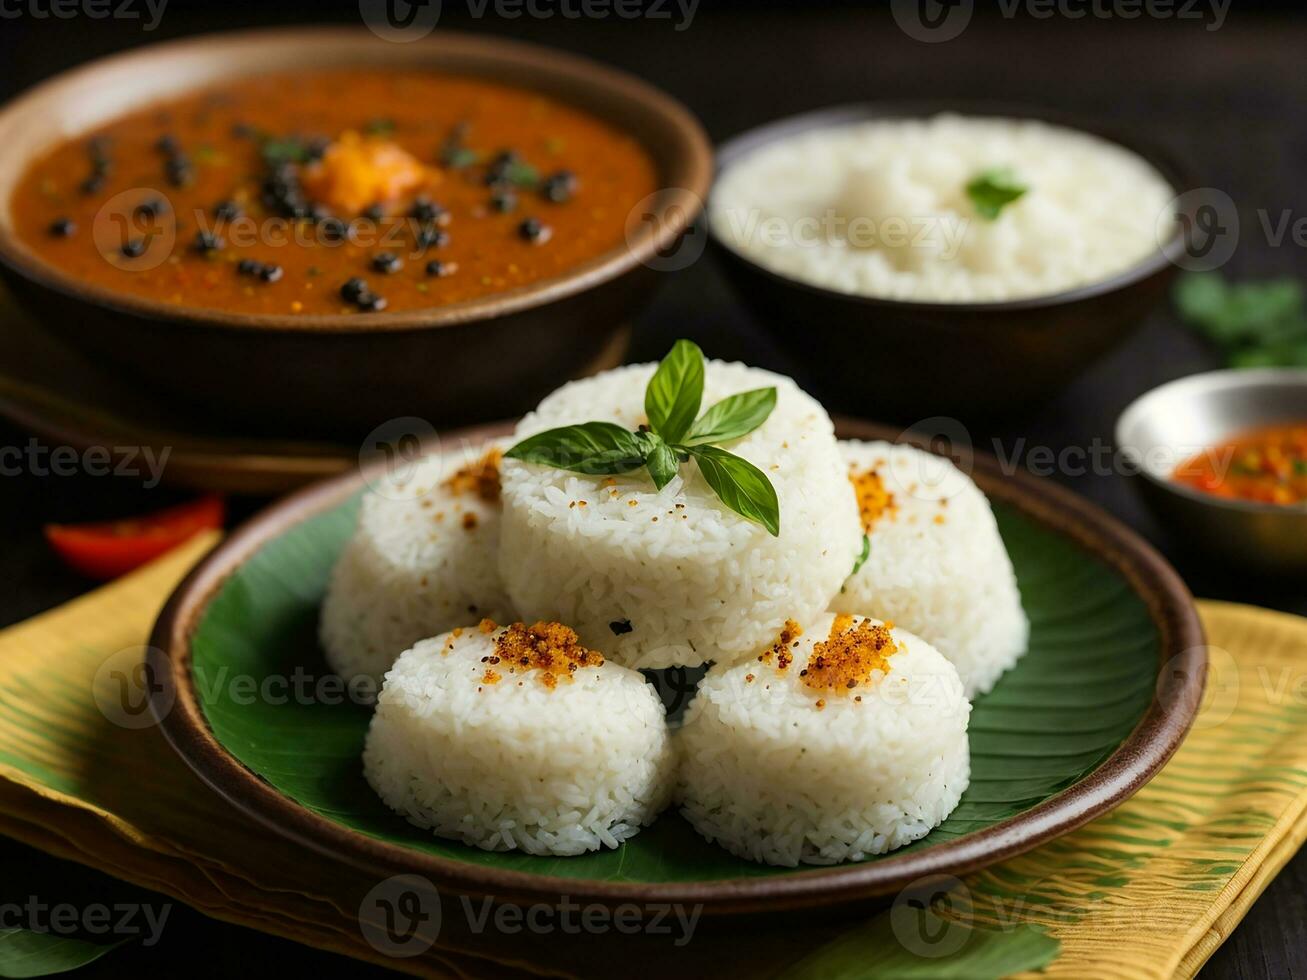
(341, 375)
(963, 359)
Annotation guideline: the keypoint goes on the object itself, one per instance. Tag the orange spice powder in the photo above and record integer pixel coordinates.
(874, 501)
(780, 648)
(480, 477)
(552, 648)
(849, 656)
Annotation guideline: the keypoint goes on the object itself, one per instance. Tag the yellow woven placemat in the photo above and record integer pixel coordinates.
(1148, 891)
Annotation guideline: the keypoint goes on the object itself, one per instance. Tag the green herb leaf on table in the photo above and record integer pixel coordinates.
(741, 486)
(24, 953)
(994, 189)
(1253, 324)
(732, 417)
(593, 448)
(675, 392)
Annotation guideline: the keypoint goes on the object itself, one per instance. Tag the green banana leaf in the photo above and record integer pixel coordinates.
(1087, 679)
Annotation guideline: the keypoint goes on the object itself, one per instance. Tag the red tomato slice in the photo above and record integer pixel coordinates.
(107, 549)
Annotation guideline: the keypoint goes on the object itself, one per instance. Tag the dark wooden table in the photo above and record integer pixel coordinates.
(1230, 102)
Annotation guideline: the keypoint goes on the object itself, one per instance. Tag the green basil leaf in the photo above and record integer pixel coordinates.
(863, 556)
(672, 399)
(661, 463)
(592, 448)
(24, 953)
(733, 417)
(740, 485)
(992, 190)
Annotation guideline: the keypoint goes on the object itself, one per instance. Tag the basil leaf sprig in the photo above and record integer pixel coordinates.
(994, 189)
(675, 434)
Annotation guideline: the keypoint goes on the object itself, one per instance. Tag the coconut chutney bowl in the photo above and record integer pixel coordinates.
(904, 360)
(327, 371)
(1176, 422)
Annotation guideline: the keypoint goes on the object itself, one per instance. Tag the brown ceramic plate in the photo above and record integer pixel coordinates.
(1112, 681)
(341, 375)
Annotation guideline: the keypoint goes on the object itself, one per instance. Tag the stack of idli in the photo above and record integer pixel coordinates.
(831, 724)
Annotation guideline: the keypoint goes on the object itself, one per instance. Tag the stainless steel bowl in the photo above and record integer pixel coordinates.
(1175, 422)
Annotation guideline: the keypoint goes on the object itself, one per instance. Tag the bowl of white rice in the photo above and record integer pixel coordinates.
(989, 257)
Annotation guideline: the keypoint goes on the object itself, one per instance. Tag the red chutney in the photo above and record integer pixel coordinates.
(1267, 465)
(334, 192)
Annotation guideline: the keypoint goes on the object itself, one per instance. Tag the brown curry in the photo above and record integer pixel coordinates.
(338, 191)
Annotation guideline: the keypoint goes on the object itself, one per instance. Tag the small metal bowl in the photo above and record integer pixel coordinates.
(1173, 423)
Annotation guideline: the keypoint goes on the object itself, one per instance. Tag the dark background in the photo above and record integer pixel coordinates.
(1231, 103)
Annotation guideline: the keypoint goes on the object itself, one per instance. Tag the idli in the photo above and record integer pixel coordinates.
(674, 576)
(847, 737)
(519, 737)
(423, 559)
(935, 563)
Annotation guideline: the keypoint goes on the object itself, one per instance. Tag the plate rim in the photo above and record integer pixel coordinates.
(1182, 668)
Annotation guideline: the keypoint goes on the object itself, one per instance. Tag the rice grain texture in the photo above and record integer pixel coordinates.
(423, 559)
(660, 578)
(502, 759)
(781, 773)
(937, 565)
